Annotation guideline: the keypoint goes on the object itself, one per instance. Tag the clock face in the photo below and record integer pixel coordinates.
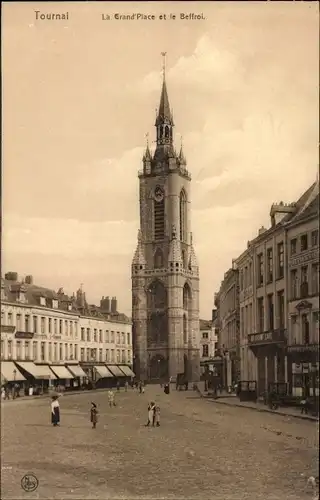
(158, 194)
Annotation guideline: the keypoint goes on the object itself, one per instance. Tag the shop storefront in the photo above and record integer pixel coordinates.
(303, 370)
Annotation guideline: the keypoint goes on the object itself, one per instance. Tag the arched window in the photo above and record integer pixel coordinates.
(159, 220)
(185, 329)
(157, 313)
(158, 259)
(167, 132)
(183, 215)
(186, 296)
(184, 259)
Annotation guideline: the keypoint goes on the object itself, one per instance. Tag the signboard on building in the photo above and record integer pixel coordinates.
(24, 335)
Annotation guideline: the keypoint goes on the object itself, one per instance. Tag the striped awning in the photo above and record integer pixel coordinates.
(127, 370)
(61, 372)
(117, 372)
(40, 372)
(9, 372)
(103, 371)
(76, 370)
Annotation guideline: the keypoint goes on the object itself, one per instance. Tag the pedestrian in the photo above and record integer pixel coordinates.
(157, 415)
(118, 386)
(151, 408)
(3, 393)
(94, 415)
(7, 393)
(55, 411)
(111, 399)
(142, 388)
(126, 385)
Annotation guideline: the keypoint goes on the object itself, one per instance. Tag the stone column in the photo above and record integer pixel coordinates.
(286, 369)
(276, 369)
(46, 352)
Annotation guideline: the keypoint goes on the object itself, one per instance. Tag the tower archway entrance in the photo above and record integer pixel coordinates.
(158, 368)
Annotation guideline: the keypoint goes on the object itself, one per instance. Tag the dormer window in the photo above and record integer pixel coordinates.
(55, 304)
(42, 301)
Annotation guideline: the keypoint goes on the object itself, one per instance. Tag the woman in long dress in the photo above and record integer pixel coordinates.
(55, 411)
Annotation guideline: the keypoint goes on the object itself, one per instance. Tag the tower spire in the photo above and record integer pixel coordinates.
(164, 120)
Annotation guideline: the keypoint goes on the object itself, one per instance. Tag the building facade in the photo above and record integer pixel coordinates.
(229, 317)
(303, 298)
(279, 297)
(165, 273)
(46, 327)
(208, 343)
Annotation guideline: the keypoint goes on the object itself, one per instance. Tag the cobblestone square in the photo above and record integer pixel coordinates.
(202, 450)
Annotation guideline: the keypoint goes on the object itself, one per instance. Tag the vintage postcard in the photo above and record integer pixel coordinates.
(160, 250)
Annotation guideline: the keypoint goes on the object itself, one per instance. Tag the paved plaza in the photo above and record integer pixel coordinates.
(202, 450)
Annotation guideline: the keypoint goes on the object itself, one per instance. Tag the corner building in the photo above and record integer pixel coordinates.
(165, 273)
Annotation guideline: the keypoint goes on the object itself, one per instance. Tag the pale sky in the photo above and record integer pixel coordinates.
(80, 95)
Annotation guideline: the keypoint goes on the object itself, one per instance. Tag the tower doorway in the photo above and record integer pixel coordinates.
(158, 368)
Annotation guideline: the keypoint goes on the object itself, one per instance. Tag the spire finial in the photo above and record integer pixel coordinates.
(164, 64)
(147, 138)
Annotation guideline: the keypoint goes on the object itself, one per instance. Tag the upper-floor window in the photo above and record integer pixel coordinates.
(66, 327)
(315, 238)
(50, 325)
(315, 278)
(43, 325)
(304, 287)
(112, 337)
(159, 220)
(205, 350)
(128, 338)
(205, 335)
(88, 335)
(100, 336)
(18, 319)
(55, 326)
(123, 338)
(293, 246)
(294, 283)
(60, 326)
(95, 335)
(26, 323)
(241, 279)
(269, 265)
(10, 319)
(304, 242)
(260, 268)
(83, 334)
(158, 259)
(280, 260)
(107, 336)
(118, 337)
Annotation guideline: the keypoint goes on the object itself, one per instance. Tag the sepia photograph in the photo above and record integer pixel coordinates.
(160, 250)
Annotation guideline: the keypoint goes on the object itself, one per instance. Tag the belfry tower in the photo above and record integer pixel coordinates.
(165, 273)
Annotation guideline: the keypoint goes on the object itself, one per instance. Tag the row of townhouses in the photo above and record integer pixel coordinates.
(267, 307)
(48, 335)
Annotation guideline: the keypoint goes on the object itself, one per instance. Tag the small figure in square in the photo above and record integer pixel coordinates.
(55, 411)
(94, 415)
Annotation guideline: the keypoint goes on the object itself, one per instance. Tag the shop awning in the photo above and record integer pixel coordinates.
(10, 373)
(76, 370)
(61, 372)
(116, 371)
(127, 371)
(103, 371)
(41, 372)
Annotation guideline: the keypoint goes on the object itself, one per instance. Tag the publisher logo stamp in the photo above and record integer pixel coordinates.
(29, 482)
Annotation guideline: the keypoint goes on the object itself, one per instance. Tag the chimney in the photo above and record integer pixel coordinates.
(107, 302)
(29, 279)
(11, 276)
(261, 230)
(114, 304)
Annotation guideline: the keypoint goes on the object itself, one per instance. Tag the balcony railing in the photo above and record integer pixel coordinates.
(266, 338)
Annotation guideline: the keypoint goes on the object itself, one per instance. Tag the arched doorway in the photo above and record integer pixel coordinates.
(158, 367)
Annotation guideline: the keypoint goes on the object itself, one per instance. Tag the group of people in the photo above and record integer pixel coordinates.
(153, 411)
(153, 415)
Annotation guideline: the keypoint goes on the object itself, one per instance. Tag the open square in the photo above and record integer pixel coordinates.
(202, 450)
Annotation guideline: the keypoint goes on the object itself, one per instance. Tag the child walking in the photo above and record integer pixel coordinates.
(94, 415)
